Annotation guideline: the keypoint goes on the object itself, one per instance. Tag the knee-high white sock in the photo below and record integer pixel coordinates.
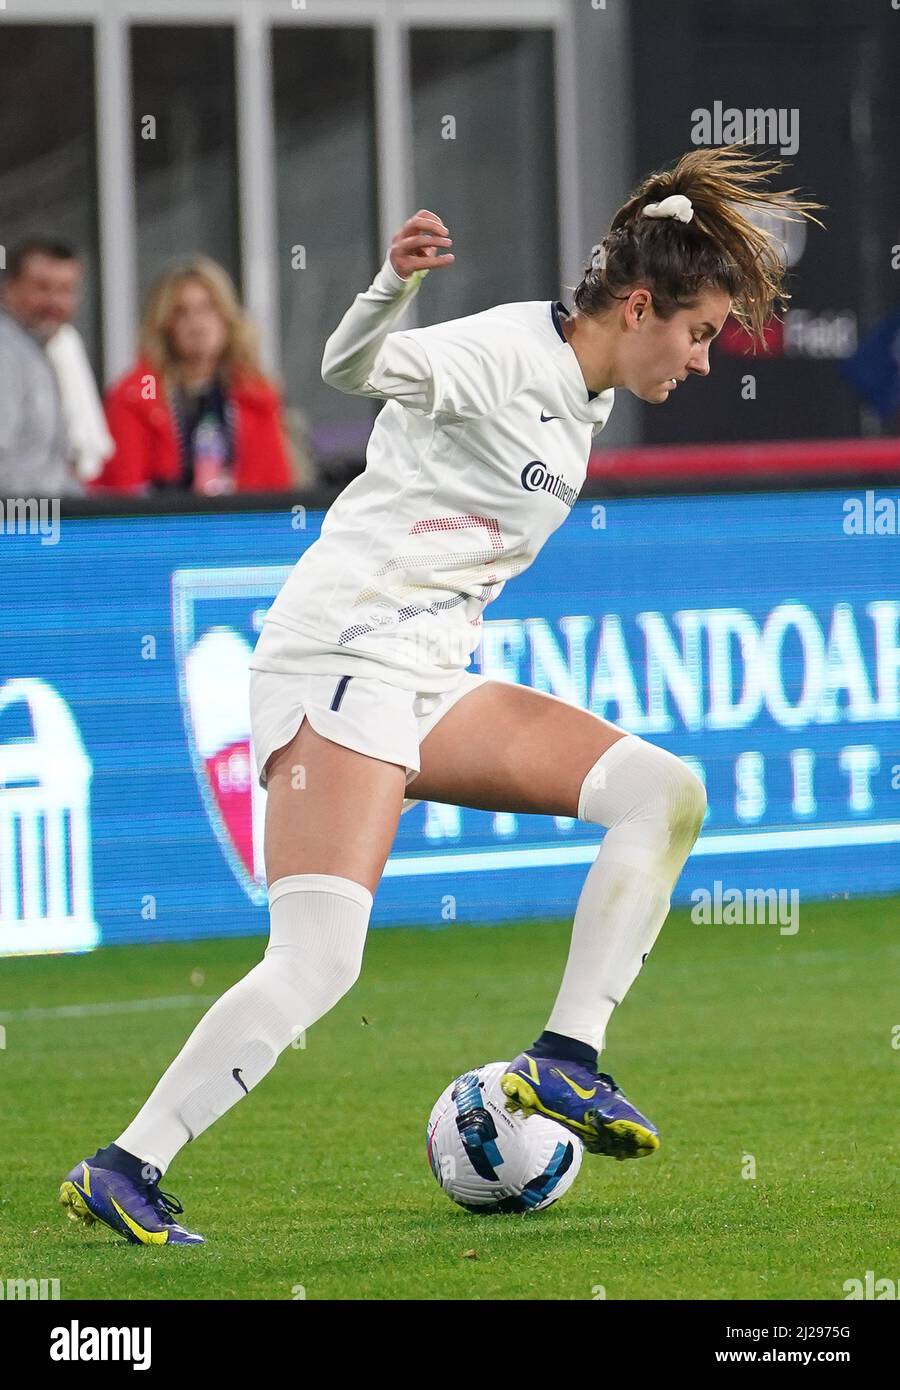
(318, 930)
(653, 806)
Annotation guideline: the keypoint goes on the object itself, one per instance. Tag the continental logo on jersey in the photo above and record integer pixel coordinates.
(536, 477)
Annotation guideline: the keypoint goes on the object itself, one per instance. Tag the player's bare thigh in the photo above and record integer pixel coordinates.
(330, 810)
(506, 747)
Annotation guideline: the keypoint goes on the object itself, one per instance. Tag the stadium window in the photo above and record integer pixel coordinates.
(484, 133)
(48, 160)
(327, 225)
(184, 108)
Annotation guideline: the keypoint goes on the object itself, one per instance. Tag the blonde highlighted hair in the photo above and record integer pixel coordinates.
(241, 353)
(720, 248)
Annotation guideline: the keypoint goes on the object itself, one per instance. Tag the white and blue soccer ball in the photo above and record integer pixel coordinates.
(488, 1160)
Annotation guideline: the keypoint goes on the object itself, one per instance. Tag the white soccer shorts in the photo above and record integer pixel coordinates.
(359, 712)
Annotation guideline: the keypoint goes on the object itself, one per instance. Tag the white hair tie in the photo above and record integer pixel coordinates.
(676, 205)
(598, 256)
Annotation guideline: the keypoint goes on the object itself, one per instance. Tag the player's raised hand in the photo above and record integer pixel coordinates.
(416, 245)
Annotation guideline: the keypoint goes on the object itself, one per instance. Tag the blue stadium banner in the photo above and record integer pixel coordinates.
(757, 636)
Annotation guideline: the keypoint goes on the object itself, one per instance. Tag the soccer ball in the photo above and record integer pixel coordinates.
(488, 1160)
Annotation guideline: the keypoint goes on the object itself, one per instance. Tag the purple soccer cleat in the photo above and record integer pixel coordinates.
(586, 1102)
(134, 1208)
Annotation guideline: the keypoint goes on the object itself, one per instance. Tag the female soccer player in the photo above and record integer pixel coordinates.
(359, 684)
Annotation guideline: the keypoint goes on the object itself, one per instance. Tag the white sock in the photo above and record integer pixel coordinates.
(654, 806)
(318, 930)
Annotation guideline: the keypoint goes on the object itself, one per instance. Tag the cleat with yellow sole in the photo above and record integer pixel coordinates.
(135, 1209)
(588, 1103)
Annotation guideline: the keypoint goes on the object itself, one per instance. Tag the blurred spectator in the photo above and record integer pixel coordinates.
(51, 425)
(90, 442)
(196, 412)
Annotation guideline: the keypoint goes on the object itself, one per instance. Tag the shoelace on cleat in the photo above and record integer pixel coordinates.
(163, 1203)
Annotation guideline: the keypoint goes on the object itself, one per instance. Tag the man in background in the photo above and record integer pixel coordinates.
(52, 432)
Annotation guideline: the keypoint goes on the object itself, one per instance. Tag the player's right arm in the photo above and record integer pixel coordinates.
(359, 357)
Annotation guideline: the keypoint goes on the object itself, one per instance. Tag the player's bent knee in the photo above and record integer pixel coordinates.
(634, 781)
(688, 808)
(651, 803)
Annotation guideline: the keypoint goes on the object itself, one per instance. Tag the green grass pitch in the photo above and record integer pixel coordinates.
(740, 1043)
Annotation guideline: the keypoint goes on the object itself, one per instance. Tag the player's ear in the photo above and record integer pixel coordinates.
(639, 305)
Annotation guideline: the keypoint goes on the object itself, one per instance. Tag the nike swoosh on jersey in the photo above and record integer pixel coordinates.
(545, 418)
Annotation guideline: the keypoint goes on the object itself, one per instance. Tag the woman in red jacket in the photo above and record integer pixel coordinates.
(196, 412)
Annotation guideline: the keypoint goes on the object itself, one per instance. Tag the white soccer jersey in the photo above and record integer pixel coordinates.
(477, 457)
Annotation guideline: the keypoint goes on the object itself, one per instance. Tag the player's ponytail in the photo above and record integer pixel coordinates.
(719, 247)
